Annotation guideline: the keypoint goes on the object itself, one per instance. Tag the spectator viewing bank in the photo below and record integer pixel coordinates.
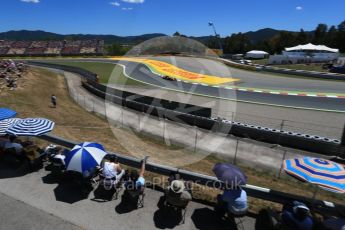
(70, 192)
(51, 48)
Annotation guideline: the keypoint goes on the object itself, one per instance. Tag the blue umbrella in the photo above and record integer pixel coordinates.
(5, 124)
(229, 174)
(327, 174)
(85, 157)
(31, 127)
(7, 113)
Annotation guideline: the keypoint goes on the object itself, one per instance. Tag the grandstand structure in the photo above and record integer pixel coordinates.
(51, 48)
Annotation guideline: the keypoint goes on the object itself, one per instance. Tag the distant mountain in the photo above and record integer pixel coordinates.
(267, 33)
(42, 35)
(30, 35)
(263, 34)
(254, 36)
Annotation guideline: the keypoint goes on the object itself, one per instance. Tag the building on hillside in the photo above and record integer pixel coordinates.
(308, 53)
(257, 54)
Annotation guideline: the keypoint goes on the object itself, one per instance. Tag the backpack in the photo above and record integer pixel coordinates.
(108, 183)
(133, 191)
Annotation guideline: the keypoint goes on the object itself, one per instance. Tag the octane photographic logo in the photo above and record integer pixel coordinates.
(170, 85)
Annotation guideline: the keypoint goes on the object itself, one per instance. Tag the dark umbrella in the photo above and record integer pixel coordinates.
(7, 113)
(230, 174)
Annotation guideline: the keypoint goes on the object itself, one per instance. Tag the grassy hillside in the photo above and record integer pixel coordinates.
(32, 99)
(104, 71)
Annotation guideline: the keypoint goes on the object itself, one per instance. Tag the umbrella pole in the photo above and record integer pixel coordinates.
(314, 194)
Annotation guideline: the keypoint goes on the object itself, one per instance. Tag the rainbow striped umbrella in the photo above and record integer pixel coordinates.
(324, 173)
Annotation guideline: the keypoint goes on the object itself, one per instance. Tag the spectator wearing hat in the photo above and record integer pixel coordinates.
(296, 216)
(336, 222)
(177, 194)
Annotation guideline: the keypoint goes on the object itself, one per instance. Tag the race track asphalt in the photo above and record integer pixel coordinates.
(142, 73)
(250, 79)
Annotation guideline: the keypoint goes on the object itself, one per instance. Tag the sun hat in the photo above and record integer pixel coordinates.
(299, 205)
(177, 186)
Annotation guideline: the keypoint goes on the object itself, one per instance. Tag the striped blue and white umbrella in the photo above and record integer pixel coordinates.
(31, 127)
(7, 113)
(5, 124)
(324, 173)
(85, 157)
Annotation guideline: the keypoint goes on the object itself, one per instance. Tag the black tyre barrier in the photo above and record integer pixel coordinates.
(170, 115)
(93, 90)
(185, 118)
(179, 117)
(224, 126)
(99, 87)
(116, 100)
(155, 107)
(133, 105)
(154, 111)
(205, 123)
(144, 108)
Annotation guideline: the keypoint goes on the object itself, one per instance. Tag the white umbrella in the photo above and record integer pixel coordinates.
(31, 127)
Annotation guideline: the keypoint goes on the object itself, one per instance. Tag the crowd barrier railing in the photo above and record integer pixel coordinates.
(329, 208)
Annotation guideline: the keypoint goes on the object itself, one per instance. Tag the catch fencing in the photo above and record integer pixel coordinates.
(307, 142)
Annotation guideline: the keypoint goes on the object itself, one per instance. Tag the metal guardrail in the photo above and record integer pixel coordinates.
(205, 180)
(295, 140)
(304, 73)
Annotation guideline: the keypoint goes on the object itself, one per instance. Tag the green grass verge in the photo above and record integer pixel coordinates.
(260, 61)
(106, 71)
(310, 67)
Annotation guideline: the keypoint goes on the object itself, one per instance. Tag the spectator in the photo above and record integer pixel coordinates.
(3, 141)
(12, 145)
(233, 201)
(112, 170)
(296, 216)
(336, 223)
(53, 100)
(136, 181)
(60, 155)
(177, 194)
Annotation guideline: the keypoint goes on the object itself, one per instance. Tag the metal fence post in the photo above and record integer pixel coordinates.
(164, 127)
(282, 164)
(282, 125)
(121, 117)
(196, 138)
(343, 137)
(236, 149)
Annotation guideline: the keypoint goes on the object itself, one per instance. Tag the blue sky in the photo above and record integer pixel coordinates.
(191, 17)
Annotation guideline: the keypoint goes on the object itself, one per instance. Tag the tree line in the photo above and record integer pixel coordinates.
(333, 36)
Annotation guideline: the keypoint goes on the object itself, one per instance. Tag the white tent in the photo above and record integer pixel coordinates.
(311, 47)
(256, 54)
